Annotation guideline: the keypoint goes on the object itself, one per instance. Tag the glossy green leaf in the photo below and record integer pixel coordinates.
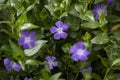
(34, 50)
(91, 76)
(33, 62)
(90, 25)
(55, 76)
(101, 38)
(16, 51)
(116, 61)
(28, 26)
(87, 16)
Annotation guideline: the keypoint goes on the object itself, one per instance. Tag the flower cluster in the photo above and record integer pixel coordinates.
(98, 10)
(27, 39)
(79, 52)
(51, 61)
(9, 65)
(59, 29)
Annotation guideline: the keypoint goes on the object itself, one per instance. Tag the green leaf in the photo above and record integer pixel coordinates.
(16, 51)
(50, 8)
(91, 76)
(33, 62)
(66, 47)
(101, 38)
(55, 76)
(34, 50)
(104, 61)
(90, 25)
(28, 26)
(87, 16)
(112, 76)
(113, 18)
(116, 61)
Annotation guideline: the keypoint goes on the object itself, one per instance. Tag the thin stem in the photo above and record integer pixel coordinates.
(107, 72)
(76, 75)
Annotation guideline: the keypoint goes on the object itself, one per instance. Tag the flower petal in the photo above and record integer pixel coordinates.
(32, 43)
(75, 57)
(32, 35)
(64, 27)
(79, 45)
(8, 68)
(53, 58)
(55, 63)
(53, 29)
(7, 61)
(50, 66)
(25, 33)
(16, 67)
(21, 40)
(83, 57)
(103, 6)
(59, 23)
(86, 52)
(47, 58)
(63, 35)
(73, 49)
(57, 36)
(26, 46)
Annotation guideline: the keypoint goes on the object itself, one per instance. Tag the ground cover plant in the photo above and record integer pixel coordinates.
(60, 39)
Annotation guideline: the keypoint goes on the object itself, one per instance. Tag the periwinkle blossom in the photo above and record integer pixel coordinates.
(59, 30)
(79, 52)
(110, 1)
(98, 10)
(26, 78)
(89, 69)
(27, 39)
(51, 61)
(9, 65)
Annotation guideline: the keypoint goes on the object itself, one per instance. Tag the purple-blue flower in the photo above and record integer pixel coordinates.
(110, 1)
(98, 10)
(51, 61)
(79, 52)
(59, 30)
(9, 65)
(26, 78)
(89, 69)
(27, 39)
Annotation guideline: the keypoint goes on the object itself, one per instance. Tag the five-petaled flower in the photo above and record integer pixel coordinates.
(9, 65)
(26, 78)
(79, 52)
(98, 10)
(51, 61)
(59, 30)
(89, 69)
(27, 39)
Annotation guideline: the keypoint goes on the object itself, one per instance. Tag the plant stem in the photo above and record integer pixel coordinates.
(76, 75)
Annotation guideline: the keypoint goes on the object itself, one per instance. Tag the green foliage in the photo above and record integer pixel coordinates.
(101, 37)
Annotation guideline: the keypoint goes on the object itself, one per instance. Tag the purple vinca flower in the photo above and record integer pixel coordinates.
(9, 65)
(59, 30)
(110, 1)
(26, 78)
(89, 69)
(27, 39)
(51, 61)
(79, 52)
(98, 10)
